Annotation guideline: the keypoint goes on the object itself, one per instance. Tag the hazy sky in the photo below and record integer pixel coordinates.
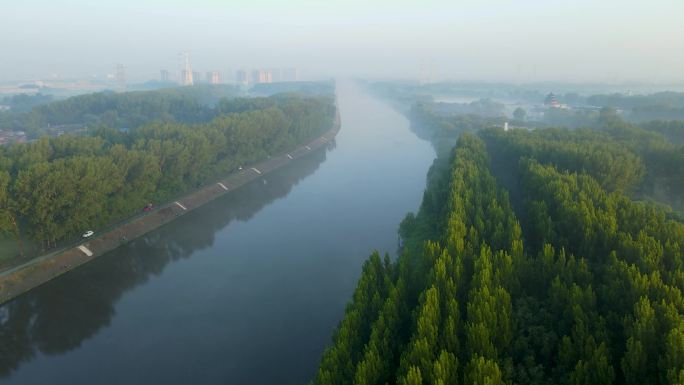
(516, 40)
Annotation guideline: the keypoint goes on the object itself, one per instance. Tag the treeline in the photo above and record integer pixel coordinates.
(306, 87)
(531, 93)
(587, 291)
(442, 128)
(620, 155)
(53, 189)
(24, 102)
(619, 269)
(121, 110)
(442, 313)
(661, 105)
(614, 165)
(673, 130)
(636, 108)
(585, 100)
(643, 159)
(481, 107)
(568, 118)
(22, 340)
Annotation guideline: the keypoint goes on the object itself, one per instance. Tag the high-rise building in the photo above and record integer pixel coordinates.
(262, 76)
(164, 75)
(213, 77)
(196, 77)
(186, 78)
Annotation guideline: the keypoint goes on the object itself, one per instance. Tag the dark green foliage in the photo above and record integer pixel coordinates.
(120, 110)
(24, 102)
(661, 105)
(594, 297)
(589, 151)
(436, 313)
(673, 130)
(340, 361)
(57, 188)
(519, 114)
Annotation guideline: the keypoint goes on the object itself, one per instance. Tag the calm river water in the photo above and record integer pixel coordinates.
(246, 290)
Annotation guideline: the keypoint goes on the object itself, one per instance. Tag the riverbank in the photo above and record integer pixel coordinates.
(31, 274)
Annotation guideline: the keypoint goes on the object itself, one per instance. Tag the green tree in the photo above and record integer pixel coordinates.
(642, 343)
(444, 370)
(519, 114)
(8, 217)
(481, 371)
(413, 377)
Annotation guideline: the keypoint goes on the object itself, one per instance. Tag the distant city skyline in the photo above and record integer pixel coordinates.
(121, 73)
(495, 40)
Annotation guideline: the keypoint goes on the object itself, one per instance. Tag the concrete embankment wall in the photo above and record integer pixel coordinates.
(25, 277)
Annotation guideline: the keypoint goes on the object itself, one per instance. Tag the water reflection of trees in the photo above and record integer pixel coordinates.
(60, 315)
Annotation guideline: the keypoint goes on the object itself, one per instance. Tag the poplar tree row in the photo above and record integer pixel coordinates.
(579, 284)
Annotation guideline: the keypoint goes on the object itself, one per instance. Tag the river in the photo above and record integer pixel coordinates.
(245, 290)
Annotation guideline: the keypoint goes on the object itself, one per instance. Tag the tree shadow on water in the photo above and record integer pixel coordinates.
(59, 315)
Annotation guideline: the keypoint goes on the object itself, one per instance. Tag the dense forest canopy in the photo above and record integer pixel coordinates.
(25, 102)
(55, 188)
(579, 285)
(538, 256)
(643, 159)
(120, 110)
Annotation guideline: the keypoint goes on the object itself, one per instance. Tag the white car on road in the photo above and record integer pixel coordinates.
(88, 234)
